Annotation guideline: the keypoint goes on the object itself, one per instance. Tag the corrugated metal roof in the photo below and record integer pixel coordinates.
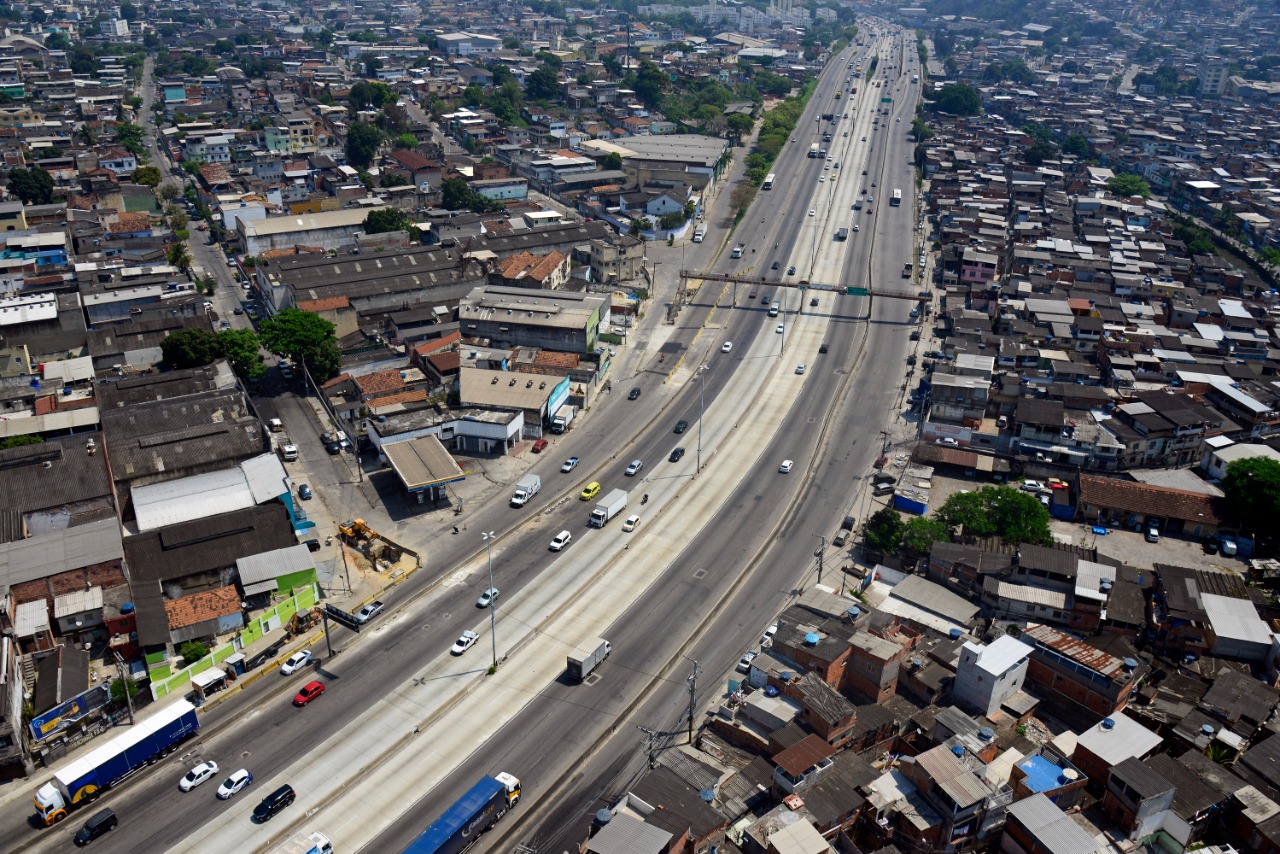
(268, 566)
(626, 834)
(1236, 619)
(31, 617)
(59, 551)
(190, 498)
(266, 477)
(1032, 595)
(1001, 655)
(1055, 831)
(77, 602)
(1077, 650)
(935, 598)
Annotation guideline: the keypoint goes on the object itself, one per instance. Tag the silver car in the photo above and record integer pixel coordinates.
(634, 468)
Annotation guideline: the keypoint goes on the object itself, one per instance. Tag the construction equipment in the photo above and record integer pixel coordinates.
(356, 530)
(303, 621)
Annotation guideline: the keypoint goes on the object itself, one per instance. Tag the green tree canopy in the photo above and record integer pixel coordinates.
(1252, 490)
(33, 186)
(147, 175)
(367, 94)
(363, 140)
(959, 99)
(190, 348)
(1076, 144)
(1012, 515)
(241, 348)
(304, 338)
(542, 85)
(920, 533)
(650, 84)
(1128, 184)
(613, 161)
(387, 219)
(20, 441)
(884, 530)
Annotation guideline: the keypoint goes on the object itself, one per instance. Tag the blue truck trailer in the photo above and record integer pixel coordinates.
(471, 815)
(86, 778)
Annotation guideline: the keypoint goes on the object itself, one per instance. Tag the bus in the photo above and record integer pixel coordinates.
(768, 182)
(896, 198)
(813, 150)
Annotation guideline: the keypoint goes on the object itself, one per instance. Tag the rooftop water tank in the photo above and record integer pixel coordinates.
(1130, 664)
(957, 750)
(1108, 724)
(1206, 729)
(811, 639)
(955, 634)
(986, 733)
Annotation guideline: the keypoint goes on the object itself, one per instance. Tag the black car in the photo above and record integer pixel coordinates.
(98, 824)
(333, 448)
(823, 348)
(813, 302)
(676, 455)
(634, 393)
(775, 266)
(791, 271)
(273, 803)
(681, 425)
(847, 523)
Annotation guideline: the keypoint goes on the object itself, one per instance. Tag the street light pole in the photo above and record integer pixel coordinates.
(493, 629)
(702, 410)
(822, 551)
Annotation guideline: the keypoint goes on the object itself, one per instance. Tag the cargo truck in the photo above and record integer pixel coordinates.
(738, 250)
(86, 778)
(563, 418)
(305, 843)
(526, 489)
(471, 815)
(611, 505)
(842, 234)
(587, 658)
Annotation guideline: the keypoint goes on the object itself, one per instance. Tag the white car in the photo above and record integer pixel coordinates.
(778, 329)
(726, 347)
(744, 663)
(812, 212)
(767, 638)
(198, 775)
(465, 642)
(487, 597)
(237, 781)
(634, 468)
(785, 467)
(822, 179)
(1032, 486)
(560, 540)
(296, 662)
(800, 368)
(631, 524)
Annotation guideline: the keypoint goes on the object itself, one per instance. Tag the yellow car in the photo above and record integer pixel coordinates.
(592, 490)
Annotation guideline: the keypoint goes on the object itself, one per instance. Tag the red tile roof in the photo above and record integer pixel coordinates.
(1160, 501)
(437, 344)
(380, 382)
(201, 607)
(325, 304)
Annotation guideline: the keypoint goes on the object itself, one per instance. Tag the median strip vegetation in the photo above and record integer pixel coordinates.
(776, 129)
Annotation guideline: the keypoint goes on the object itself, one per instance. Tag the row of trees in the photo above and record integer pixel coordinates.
(300, 336)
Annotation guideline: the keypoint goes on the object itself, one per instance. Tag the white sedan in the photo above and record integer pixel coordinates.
(198, 775)
(812, 212)
(785, 467)
(726, 347)
(296, 662)
(800, 368)
(464, 643)
(631, 524)
(237, 781)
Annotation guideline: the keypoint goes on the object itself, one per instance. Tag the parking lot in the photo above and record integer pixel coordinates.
(1128, 547)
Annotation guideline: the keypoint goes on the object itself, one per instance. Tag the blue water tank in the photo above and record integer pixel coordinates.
(771, 690)
(812, 639)
(955, 634)
(986, 733)
(957, 750)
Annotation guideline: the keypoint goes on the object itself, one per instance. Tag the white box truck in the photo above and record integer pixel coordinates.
(587, 658)
(563, 418)
(526, 489)
(699, 234)
(737, 251)
(611, 505)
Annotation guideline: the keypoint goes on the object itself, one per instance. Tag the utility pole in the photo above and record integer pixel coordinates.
(649, 735)
(822, 553)
(124, 681)
(493, 628)
(693, 689)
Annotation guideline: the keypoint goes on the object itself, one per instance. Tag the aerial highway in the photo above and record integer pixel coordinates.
(725, 542)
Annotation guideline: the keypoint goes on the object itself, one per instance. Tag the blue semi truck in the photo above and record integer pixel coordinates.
(85, 779)
(471, 815)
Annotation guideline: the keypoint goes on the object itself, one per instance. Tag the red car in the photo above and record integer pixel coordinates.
(540, 445)
(308, 693)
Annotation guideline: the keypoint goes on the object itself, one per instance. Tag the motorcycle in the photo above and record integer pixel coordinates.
(644, 499)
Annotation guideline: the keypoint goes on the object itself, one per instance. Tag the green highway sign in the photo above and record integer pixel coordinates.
(886, 100)
(855, 292)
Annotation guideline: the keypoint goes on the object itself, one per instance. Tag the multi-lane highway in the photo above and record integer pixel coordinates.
(720, 552)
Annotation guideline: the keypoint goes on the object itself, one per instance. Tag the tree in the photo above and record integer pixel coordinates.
(119, 687)
(147, 175)
(405, 140)
(370, 95)
(542, 85)
(241, 348)
(33, 186)
(363, 140)
(884, 530)
(1039, 152)
(128, 12)
(650, 84)
(304, 338)
(168, 191)
(967, 512)
(387, 219)
(190, 348)
(179, 256)
(1127, 184)
(922, 131)
(958, 99)
(740, 124)
(613, 161)
(58, 41)
(20, 441)
(1252, 490)
(82, 61)
(1076, 144)
(920, 533)
(193, 651)
(372, 64)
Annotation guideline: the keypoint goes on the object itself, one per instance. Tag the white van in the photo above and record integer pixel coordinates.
(275, 425)
(773, 311)
(699, 233)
